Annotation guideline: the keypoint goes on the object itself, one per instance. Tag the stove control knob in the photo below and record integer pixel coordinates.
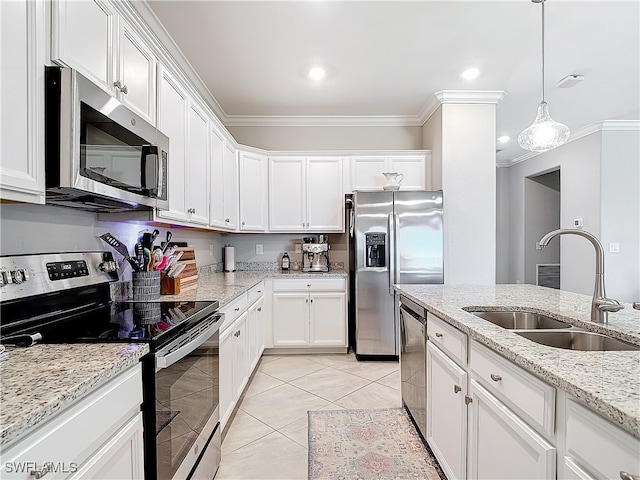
(5, 277)
(20, 275)
(108, 266)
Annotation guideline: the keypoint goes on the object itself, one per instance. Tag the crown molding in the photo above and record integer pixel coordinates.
(323, 120)
(601, 126)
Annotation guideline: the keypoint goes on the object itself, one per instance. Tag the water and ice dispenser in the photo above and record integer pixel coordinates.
(375, 249)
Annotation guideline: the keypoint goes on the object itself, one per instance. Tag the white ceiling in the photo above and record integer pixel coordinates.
(386, 59)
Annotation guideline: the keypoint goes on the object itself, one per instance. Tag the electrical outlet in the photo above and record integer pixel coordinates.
(211, 249)
(298, 248)
(614, 248)
(259, 249)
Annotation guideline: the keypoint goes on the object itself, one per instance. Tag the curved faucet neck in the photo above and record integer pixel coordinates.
(544, 241)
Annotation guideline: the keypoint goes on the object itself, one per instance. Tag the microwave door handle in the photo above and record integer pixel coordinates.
(164, 361)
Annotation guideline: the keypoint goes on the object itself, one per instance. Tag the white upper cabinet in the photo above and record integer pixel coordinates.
(187, 126)
(325, 202)
(367, 171)
(91, 37)
(287, 194)
(197, 191)
(136, 73)
(172, 121)
(253, 192)
(22, 47)
(230, 179)
(305, 194)
(216, 196)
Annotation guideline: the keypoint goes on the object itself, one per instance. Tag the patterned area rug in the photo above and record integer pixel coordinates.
(367, 445)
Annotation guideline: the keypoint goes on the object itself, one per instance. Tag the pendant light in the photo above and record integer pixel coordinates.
(544, 133)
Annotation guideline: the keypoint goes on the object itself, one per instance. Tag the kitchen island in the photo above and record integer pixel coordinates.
(607, 381)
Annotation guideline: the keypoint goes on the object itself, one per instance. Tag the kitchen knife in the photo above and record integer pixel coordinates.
(176, 270)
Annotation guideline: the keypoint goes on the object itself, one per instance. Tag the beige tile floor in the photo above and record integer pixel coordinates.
(267, 437)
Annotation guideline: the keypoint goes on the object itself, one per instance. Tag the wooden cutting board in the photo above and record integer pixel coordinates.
(189, 276)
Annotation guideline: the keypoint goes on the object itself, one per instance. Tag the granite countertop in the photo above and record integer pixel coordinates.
(609, 382)
(42, 380)
(225, 287)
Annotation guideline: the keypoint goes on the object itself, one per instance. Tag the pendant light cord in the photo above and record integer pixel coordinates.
(542, 49)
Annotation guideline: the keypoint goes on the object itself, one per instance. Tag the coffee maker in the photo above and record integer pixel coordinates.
(315, 256)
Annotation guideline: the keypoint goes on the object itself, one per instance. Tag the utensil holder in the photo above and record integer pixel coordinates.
(146, 285)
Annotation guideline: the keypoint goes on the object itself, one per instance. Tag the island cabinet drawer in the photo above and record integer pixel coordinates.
(233, 310)
(447, 338)
(67, 441)
(255, 293)
(597, 446)
(527, 395)
(309, 284)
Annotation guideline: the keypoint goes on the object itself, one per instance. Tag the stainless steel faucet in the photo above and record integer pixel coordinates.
(600, 304)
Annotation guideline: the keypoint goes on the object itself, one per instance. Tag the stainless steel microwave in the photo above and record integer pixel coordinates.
(99, 155)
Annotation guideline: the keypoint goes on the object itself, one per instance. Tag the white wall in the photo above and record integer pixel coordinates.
(542, 213)
(579, 163)
(329, 138)
(274, 245)
(502, 225)
(469, 186)
(620, 222)
(47, 229)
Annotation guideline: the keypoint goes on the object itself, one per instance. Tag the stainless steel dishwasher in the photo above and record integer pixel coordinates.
(413, 361)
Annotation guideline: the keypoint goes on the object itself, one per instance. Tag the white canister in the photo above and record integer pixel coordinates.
(229, 258)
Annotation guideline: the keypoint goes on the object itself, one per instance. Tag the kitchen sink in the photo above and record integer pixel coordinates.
(520, 320)
(577, 340)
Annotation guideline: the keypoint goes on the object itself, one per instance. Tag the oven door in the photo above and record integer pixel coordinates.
(187, 432)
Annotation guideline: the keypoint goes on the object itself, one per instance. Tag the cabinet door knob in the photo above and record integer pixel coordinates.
(495, 378)
(227, 220)
(308, 285)
(306, 300)
(439, 335)
(467, 400)
(259, 309)
(40, 473)
(243, 224)
(456, 388)
(118, 84)
(628, 476)
(124, 89)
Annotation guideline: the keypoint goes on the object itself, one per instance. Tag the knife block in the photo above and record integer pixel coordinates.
(170, 285)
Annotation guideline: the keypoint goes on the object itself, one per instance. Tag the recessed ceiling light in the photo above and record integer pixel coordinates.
(504, 139)
(470, 73)
(317, 73)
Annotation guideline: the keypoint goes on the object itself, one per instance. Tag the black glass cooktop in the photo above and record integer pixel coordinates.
(155, 323)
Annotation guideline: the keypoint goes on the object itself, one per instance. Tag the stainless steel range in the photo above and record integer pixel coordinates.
(65, 298)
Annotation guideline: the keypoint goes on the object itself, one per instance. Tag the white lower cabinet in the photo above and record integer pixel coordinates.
(501, 445)
(241, 345)
(98, 437)
(595, 448)
(446, 412)
(309, 313)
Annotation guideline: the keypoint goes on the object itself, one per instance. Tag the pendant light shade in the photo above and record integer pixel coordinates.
(544, 133)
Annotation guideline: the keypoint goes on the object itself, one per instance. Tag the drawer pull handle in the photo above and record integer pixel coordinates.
(457, 388)
(628, 476)
(439, 335)
(495, 378)
(308, 285)
(45, 470)
(259, 291)
(237, 309)
(467, 400)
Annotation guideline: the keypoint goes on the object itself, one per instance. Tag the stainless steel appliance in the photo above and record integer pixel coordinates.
(396, 238)
(315, 257)
(65, 298)
(100, 155)
(413, 361)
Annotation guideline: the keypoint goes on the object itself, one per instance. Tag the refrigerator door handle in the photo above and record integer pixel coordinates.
(396, 248)
(391, 252)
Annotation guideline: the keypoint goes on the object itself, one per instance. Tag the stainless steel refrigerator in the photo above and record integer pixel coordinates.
(396, 237)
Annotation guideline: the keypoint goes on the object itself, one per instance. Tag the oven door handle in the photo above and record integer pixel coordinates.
(164, 361)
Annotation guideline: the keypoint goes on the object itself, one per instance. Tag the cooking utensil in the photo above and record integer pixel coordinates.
(121, 248)
(147, 258)
(162, 263)
(154, 235)
(166, 244)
